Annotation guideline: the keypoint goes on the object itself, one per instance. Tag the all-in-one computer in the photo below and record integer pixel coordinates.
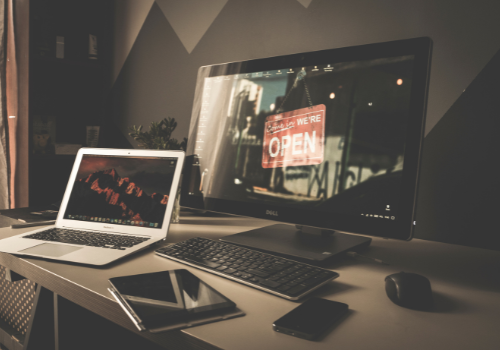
(320, 141)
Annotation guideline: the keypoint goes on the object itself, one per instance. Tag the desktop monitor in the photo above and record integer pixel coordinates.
(329, 140)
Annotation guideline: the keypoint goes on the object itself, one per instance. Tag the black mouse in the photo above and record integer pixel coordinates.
(409, 290)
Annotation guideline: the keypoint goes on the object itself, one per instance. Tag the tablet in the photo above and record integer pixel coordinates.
(169, 296)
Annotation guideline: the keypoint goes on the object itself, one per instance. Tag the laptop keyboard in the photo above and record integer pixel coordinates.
(88, 238)
(273, 274)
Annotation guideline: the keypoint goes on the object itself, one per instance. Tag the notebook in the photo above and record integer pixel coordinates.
(116, 203)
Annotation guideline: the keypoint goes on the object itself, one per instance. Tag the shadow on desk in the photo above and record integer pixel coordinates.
(333, 288)
(213, 221)
(444, 265)
(448, 263)
(445, 304)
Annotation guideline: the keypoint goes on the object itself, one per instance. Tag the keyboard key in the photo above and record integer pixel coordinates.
(283, 288)
(311, 281)
(269, 283)
(297, 289)
(204, 262)
(259, 273)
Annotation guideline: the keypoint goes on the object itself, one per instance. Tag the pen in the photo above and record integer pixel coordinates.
(31, 224)
(130, 313)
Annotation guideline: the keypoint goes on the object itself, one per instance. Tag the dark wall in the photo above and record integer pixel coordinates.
(158, 77)
(459, 188)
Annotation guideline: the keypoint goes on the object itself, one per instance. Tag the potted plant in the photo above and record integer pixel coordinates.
(159, 136)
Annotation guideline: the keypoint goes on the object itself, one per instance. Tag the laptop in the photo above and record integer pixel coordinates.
(116, 203)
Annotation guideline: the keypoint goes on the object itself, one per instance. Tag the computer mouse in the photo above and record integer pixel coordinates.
(409, 290)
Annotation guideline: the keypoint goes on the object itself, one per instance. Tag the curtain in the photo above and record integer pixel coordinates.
(8, 106)
(4, 174)
(12, 96)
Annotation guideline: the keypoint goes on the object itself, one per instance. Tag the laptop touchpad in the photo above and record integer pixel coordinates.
(49, 249)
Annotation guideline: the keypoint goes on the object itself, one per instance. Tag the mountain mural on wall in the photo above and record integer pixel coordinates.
(105, 194)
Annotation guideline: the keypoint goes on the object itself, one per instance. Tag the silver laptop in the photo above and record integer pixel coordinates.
(117, 202)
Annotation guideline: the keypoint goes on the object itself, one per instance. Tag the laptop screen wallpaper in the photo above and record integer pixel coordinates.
(122, 190)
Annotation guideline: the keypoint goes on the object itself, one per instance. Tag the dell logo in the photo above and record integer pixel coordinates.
(272, 212)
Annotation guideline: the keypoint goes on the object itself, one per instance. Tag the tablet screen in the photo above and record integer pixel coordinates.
(165, 295)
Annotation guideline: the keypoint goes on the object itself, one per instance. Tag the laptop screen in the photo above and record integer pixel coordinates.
(122, 190)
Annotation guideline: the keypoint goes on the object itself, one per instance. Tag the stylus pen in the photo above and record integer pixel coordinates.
(130, 313)
(31, 224)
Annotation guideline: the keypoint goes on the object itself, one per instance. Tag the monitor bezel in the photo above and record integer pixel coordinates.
(402, 228)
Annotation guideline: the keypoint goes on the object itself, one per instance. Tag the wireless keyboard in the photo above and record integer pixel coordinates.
(283, 277)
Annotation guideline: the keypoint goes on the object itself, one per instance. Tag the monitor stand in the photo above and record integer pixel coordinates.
(304, 243)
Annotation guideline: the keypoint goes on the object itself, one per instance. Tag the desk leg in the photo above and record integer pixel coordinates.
(40, 334)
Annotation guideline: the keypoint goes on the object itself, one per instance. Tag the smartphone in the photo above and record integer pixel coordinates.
(310, 319)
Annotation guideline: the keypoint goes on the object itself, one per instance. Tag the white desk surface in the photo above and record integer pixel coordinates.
(465, 281)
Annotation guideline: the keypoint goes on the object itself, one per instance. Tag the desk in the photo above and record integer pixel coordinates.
(465, 283)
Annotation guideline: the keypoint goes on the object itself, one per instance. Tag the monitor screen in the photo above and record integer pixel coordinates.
(328, 139)
(122, 190)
